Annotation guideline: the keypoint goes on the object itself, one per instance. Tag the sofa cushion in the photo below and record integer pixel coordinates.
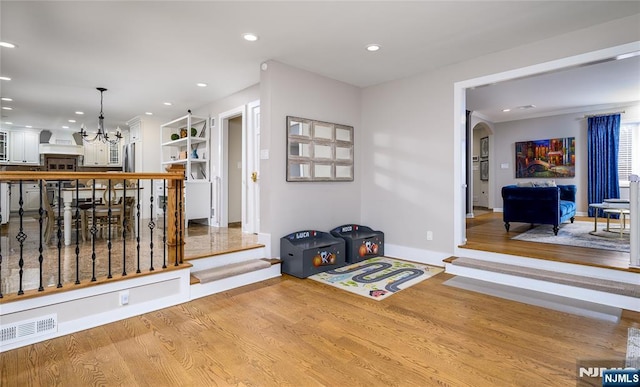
(567, 207)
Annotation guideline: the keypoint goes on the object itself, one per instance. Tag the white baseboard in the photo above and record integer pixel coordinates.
(428, 257)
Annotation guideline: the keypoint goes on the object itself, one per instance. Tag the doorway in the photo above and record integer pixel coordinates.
(236, 189)
(461, 137)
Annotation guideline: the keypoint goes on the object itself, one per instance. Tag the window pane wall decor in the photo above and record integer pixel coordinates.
(318, 151)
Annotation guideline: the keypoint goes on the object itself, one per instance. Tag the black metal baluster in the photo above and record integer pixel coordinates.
(21, 238)
(175, 214)
(138, 231)
(78, 231)
(164, 224)
(40, 221)
(124, 234)
(152, 225)
(109, 213)
(59, 233)
(94, 231)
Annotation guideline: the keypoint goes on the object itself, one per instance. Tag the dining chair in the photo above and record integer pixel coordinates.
(51, 216)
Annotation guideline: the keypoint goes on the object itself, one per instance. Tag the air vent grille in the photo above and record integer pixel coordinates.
(22, 330)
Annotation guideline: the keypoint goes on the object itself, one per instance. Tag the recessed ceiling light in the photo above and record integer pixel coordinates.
(8, 123)
(7, 45)
(28, 126)
(7, 108)
(72, 121)
(168, 103)
(249, 37)
(65, 127)
(149, 113)
(201, 84)
(79, 113)
(5, 78)
(506, 110)
(7, 99)
(373, 47)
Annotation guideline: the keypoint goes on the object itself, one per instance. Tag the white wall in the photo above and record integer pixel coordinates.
(565, 125)
(409, 151)
(287, 207)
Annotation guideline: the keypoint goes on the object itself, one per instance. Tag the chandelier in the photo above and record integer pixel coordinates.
(101, 134)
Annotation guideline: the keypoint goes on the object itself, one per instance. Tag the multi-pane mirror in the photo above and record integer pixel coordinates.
(318, 151)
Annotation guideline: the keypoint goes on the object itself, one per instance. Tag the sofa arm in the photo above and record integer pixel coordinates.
(568, 192)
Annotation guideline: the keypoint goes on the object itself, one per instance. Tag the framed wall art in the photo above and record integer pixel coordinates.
(555, 157)
(484, 170)
(484, 147)
(318, 151)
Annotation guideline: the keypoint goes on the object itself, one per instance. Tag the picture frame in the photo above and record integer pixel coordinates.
(484, 170)
(484, 147)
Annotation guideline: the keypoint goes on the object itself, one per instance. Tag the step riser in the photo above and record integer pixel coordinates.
(599, 297)
(226, 259)
(201, 290)
(560, 267)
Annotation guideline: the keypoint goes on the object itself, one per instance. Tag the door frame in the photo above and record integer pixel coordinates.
(459, 132)
(250, 163)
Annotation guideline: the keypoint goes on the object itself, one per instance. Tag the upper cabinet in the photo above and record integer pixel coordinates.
(99, 154)
(23, 147)
(186, 141)
(4, 140)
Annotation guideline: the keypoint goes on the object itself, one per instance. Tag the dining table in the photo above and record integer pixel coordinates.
(84, 193)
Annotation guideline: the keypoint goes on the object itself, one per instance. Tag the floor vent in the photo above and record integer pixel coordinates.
(26, 329)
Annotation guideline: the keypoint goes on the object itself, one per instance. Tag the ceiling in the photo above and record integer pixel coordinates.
(150, 52)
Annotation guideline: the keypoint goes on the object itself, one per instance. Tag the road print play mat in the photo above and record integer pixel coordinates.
(377, 278)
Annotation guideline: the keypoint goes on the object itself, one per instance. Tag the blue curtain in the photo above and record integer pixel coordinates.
(602, 142)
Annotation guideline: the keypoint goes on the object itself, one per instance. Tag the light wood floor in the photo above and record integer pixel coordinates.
(293, 332)
(486, 232)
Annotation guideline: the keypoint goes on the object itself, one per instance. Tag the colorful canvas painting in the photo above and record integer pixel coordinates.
(555, 157)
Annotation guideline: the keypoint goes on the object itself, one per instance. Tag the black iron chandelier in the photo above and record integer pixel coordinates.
(101, 134)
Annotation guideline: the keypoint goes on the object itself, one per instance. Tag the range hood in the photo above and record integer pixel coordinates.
(72, 145)
(61, 149)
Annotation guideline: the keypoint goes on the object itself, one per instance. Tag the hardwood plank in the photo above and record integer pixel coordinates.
(486, 232)
(290, 331)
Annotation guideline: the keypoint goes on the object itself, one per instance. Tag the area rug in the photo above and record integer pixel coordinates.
(578, 234)
(633, 348)
(377, 278)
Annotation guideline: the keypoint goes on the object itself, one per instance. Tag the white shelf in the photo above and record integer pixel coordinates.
(198, 185)
(183, 141)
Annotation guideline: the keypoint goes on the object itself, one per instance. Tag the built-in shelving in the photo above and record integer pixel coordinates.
(191, 149)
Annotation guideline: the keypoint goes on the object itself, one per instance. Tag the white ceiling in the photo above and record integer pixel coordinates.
(149, 52)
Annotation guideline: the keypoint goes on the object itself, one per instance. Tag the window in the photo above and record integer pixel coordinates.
(628, 160)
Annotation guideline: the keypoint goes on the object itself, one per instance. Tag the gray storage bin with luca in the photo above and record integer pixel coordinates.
(305, 253)
(361, 242)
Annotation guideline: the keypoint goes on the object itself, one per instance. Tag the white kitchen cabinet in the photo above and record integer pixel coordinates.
(95, 154)
(4, 142)
(23, 147)
(30, 196)
(99, 154)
